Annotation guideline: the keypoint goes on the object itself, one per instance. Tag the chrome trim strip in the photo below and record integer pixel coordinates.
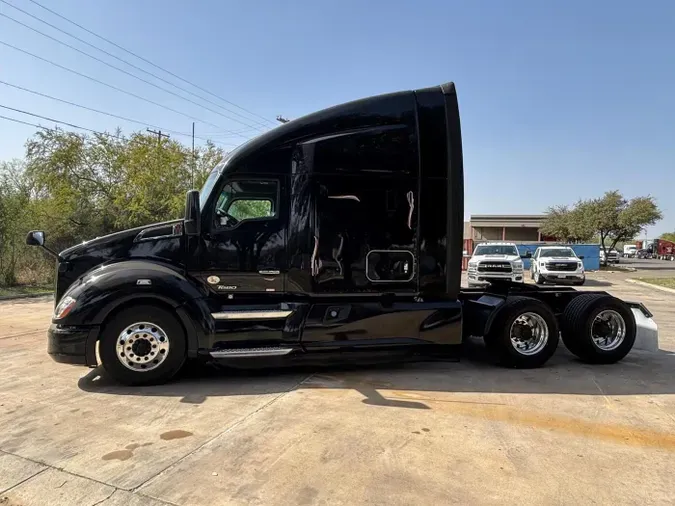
(250, 315)
(251, 352)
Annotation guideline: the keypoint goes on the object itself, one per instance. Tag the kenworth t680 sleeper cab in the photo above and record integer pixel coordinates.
(336, 236)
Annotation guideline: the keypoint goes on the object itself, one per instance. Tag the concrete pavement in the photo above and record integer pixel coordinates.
(427, 433)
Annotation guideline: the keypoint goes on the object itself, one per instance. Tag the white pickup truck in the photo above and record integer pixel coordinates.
(557, 264)
(495, 261)
(612, 257)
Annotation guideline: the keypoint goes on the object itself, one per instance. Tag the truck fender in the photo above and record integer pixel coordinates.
(110, 287)
(479, 314)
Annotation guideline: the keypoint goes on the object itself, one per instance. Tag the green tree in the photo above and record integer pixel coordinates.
(568, 224)
(612, 218)
(668, 236)
(79, 186)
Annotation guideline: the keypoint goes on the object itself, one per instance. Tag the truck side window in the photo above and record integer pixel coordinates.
(246, 200)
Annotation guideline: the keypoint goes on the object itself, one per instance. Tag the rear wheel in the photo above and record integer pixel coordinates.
(598, 328)
(524, 333)
(142, 345)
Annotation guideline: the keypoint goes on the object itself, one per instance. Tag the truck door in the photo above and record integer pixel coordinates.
(244, 248)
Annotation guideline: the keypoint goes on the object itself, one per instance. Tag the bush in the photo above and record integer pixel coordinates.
(76, 187)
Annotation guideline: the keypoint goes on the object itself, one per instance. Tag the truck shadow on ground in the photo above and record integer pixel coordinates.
(640, 373)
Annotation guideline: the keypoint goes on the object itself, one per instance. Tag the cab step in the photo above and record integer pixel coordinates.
(250, 352)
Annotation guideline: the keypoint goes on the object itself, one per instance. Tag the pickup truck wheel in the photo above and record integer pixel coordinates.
(142, 345)
(599, 329)
(524, 333)
(538, 279)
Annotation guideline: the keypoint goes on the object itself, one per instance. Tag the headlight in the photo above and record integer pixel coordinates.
(64, 307)
(517, 266)
(542, 264)
(579, 265)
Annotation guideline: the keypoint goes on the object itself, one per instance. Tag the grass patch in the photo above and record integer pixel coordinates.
(666, 282)
(16, 291)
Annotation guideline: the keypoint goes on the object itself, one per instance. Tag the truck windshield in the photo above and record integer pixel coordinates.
(496, 249)
(211, 181)
(209, 184)
(558, 252)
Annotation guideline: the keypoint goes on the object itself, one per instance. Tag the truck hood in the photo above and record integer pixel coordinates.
(159, 242)
(556, 259)
(118, 244)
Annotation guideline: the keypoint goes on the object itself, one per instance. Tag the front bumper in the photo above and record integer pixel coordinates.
(484, 278)
(68, 344)
(562, 276)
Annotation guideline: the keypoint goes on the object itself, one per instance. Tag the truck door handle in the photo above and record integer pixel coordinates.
(268, 272)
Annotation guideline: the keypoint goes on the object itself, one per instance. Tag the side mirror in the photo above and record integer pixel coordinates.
(581, 257)
(35, 238)
(527, 255)
(192, 213)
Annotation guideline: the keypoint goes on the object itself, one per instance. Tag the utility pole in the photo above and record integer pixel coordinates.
(159, 135)
(192, 181)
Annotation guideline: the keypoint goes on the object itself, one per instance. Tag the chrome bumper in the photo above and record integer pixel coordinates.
(481, 279)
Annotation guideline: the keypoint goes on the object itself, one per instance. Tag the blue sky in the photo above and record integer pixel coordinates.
(558, 102)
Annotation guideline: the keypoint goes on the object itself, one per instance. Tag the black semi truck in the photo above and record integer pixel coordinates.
(336, 236)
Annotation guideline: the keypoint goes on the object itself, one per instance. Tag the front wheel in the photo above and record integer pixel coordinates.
(524, 333)
(142, 345)
(538, 279)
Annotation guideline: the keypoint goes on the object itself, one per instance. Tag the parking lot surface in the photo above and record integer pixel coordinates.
(425, 433)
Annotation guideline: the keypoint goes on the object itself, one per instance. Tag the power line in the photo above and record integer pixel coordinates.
(115, 87)
(148, 61)
(55, 121)
(47, 118)
(112, 115)
(123, 71)
(120, 59)
(216, 134)
(22, 122)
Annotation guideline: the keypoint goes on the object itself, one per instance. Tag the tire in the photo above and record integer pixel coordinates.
(577, 328)
(151, 329)
(499, 341)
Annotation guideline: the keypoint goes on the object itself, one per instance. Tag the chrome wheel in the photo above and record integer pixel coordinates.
(529, 334)
(608, 330)
(142, 346)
